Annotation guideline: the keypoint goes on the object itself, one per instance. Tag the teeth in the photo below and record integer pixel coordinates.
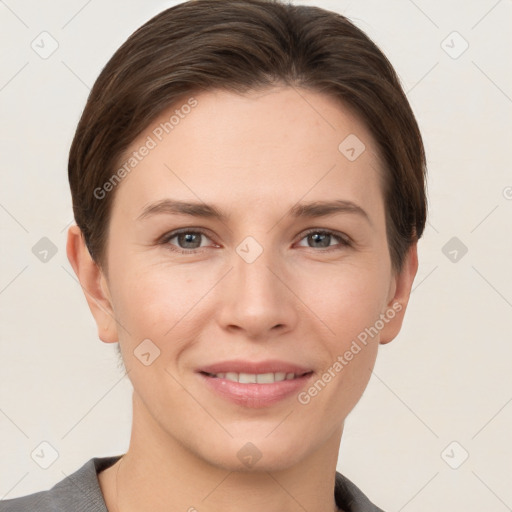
(265, 378)
(252, 378)
(247, 378)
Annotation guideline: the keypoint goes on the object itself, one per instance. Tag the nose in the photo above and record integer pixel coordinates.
(257, 298)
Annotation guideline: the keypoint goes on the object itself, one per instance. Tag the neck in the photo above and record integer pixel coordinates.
(159, 474)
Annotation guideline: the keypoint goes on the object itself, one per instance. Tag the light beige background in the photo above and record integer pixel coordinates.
(446, 378)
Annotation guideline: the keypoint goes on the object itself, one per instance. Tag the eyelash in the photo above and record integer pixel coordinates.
(344, 241)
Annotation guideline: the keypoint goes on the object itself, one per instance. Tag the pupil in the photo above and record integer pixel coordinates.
(188, 238)
(322, 238)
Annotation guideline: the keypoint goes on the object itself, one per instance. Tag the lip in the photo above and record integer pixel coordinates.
(255, 396)
(268, 366)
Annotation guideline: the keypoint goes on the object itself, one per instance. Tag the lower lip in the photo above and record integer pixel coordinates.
(255, 396)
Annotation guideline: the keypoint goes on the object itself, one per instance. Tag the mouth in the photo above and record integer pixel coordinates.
(255, 390)
(256, 378)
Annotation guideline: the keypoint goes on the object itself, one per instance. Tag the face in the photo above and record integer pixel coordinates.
(266, 281)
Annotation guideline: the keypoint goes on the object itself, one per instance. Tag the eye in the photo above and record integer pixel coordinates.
(187, 240)
(322, 238)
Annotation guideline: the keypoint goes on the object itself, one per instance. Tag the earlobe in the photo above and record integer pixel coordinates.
(395, 309)
(94, 285)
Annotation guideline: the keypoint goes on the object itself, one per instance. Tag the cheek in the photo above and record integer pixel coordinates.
(349, 303)
(148, 294)
(346, 299)
(157, 306)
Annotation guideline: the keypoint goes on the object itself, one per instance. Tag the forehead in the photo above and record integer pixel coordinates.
(261, 148)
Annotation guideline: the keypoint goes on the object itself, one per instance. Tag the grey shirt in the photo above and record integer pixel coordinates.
(81, 492)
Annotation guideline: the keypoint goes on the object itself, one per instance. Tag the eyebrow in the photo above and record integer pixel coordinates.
(300, 210)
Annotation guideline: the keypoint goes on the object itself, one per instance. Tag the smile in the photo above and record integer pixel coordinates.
(255, 390)
(255, 378)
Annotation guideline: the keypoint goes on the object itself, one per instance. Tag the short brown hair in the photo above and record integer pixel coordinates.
(242, 45)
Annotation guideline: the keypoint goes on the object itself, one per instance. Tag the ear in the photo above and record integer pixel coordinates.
(94, 284)
(400, 291)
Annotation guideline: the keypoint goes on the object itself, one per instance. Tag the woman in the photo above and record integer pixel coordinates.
(248, 183)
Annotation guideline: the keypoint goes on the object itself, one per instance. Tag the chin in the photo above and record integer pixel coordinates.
(259, 455)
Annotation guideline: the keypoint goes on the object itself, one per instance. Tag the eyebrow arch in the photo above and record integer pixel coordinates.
(324, 208)
(300, 210)
(174, 207)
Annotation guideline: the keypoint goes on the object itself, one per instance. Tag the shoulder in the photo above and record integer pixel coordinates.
(350, 498)
(78, 492)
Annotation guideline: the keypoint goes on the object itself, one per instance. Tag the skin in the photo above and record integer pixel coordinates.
(254, 156)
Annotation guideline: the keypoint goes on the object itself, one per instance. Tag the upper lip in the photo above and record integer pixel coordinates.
(268, 366)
